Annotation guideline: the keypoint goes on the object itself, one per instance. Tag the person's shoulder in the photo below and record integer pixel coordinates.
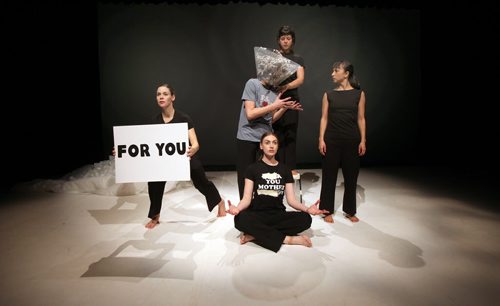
(298, 58)
(297, 55)
(253, 84)
(284, 167)
(286, 171)
(253, 168)
(256, 165)
(156, 118)
(253, 81)
(181, 114)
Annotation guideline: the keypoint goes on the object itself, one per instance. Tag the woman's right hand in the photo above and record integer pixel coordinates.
(233, 210)
(322, 147)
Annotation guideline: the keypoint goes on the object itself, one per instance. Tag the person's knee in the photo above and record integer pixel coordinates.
(240, 221)
(306, 219)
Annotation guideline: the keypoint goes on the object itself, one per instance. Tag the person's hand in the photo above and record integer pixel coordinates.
(283, 88)
(281, 103)
(233, 210)
(293, 105)
(362, 148)
(113, 151)
(286, 103)
(191, 151)
(322, 147)
(314, 209)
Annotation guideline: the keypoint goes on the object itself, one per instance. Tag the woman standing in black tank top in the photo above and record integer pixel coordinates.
(342, 139)
(286, 127)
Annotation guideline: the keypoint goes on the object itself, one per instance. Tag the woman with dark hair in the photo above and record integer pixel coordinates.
(286, 127)
(165, 97)
(261, 214)
(261, 105)
(342, 139)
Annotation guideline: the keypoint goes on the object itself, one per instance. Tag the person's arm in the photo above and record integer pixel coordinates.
(292, 201)
(193, 140)
(293, 105)
(245, 201)
(362, 124)
(297, 82)
(322, 125)
(253, 112)
(279, 113)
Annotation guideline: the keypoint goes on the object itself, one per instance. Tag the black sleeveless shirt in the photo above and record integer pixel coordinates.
(343, 115)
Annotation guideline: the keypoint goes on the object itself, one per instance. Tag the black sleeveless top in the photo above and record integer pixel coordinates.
(343, 115)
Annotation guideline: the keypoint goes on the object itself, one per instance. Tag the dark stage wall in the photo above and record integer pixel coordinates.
(206, 53)
(73, 70)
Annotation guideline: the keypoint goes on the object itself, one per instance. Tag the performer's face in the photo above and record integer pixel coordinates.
(339, 74)
(269, 145)
(286, 43)
(163, 97)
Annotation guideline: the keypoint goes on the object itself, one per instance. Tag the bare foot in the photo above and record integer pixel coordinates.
(221, 210)
(153, 222)
(244, 238)
(353, 219)
(298, 240)
(329, 219)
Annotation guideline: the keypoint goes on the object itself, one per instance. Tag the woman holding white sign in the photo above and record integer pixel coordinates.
(165, 97)
(261, 215)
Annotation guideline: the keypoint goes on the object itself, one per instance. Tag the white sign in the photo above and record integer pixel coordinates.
(152, 152)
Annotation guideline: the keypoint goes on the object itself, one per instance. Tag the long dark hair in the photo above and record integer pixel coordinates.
(347, 66)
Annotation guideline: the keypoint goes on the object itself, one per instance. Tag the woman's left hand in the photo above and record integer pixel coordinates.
(314, 209)
(362, 148)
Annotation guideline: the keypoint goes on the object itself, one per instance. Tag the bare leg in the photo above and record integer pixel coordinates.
(298, 240)
(244, 238)
(329, 219)
(153, 222)
(221, 210)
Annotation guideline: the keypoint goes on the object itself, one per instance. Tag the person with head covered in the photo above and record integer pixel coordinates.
(261, 106)
(261, 215)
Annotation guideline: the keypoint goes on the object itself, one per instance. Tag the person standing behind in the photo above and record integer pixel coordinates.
(287, 126)
(165, 97)
(260, 107)
(342, 139)
(261, 214)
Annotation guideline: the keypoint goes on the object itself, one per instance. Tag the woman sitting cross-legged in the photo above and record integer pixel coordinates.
(261, 214)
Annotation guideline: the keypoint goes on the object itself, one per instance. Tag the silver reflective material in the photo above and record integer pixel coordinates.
(272, 67)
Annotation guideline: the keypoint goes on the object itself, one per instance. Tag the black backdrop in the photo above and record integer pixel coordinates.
(206, 53)
(424, 106)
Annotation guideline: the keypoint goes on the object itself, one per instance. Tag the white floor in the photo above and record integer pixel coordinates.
(419, 242)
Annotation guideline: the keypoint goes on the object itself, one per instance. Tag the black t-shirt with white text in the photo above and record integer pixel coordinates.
(269, 185)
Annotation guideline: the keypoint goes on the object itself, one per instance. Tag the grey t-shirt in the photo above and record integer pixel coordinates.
(254, 129)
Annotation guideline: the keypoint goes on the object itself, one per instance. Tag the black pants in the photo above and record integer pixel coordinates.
(340, 154)
(247, 154)
(269, 228)
(286, 129)
(200, 182)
